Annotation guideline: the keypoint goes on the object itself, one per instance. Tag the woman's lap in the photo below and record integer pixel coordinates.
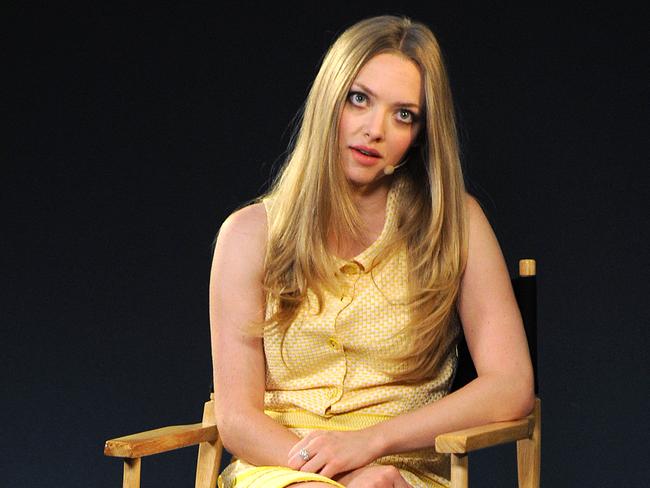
(244, 475)
(270, 477)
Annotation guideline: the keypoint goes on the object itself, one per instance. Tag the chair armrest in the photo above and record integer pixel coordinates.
(474, 438)
(160, 440)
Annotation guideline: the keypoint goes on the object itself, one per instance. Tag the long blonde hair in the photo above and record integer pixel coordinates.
(431, 217)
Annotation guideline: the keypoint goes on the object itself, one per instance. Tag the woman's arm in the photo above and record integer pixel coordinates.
(497, 343)
(496, 340)
(236, 298)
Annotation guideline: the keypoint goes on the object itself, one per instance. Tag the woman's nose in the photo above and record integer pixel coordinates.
(374, 125)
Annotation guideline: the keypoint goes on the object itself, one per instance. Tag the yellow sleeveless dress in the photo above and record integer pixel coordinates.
(330, 372)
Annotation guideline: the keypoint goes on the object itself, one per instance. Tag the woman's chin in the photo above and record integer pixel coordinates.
(361, 179)
(365, 179)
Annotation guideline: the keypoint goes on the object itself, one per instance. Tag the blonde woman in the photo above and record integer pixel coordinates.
(336, 298)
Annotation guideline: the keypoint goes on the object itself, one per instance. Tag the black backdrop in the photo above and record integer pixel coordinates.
(130, 133)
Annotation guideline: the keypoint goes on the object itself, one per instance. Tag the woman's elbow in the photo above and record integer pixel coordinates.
(527, 403)
(225, 426)
(524, 397)
(515, 398)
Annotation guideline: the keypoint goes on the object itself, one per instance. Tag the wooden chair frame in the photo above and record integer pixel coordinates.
(526, 432)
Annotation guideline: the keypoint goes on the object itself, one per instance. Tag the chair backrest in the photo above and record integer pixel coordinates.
(525, 288)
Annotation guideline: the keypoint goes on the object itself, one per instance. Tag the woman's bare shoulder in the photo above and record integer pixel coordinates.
(246, 223)
(475, 214)
(243, 235)
(472, 204)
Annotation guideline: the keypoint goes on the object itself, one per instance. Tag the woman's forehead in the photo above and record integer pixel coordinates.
(393, 77)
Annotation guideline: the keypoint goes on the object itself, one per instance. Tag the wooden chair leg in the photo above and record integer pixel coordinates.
(209, 460)
(131, 473)
(529, 453)
(459, 475)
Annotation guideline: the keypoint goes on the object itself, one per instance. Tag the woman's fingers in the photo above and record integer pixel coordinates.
(319, 459)
(330, 453)
(398, 480)
(402, 483)
(301, 443)
(297, 461)
(315, 464)
(295, 458)
(377, 476)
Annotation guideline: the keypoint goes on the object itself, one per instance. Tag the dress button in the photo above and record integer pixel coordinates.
(334, 344)
(350, 269)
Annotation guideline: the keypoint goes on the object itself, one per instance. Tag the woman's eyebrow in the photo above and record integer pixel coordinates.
(396, 104)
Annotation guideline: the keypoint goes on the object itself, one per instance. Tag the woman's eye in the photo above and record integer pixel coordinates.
(357, 98)
(406, 116)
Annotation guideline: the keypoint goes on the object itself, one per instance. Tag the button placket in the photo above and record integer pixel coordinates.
(352, 273)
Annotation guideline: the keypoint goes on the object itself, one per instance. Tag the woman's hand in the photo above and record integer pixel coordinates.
(376, 476)
(334, 452)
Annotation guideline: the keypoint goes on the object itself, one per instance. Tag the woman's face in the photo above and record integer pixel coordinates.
(381, 117)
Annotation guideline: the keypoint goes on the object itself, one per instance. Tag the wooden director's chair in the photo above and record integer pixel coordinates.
(526, 432)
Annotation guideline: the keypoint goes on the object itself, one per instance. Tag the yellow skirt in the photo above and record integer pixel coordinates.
(421, 469)
(270, 477)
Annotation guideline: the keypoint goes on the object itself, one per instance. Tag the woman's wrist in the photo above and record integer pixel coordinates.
(378, 441)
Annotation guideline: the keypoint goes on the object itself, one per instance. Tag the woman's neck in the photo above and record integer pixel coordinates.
(370, 200)
(371, 205)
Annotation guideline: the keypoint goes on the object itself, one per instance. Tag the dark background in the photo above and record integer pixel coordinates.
(131, 133)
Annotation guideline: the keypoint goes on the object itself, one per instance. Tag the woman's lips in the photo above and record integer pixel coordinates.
(363, 158)
(367, 150)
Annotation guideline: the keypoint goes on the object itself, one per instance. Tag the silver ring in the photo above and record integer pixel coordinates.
(304, 454)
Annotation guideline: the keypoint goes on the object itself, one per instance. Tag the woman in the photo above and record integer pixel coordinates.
(337, 298)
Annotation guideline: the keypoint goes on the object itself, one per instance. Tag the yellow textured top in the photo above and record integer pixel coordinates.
(334, 364)
(331, 369)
